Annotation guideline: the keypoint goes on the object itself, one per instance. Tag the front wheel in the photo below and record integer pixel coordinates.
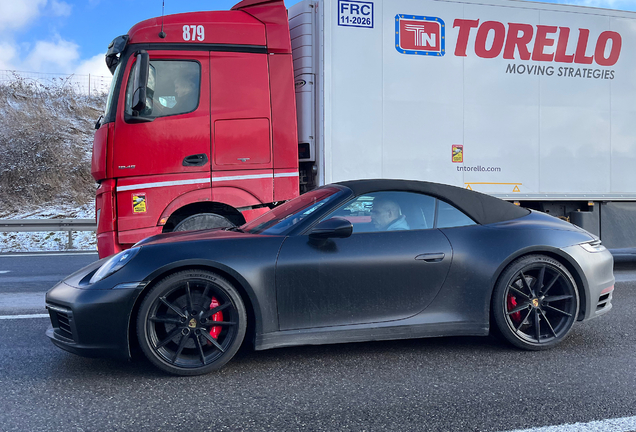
(535, 302)
(191, 323)
(203, 221)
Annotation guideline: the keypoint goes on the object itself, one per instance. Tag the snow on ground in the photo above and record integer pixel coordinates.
(49, 241)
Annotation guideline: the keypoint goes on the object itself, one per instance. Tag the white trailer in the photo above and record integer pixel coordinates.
(529, 102)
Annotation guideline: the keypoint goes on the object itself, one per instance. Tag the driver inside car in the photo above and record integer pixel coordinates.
(387, 216)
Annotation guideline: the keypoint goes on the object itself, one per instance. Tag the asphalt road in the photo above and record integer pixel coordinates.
(449, 384)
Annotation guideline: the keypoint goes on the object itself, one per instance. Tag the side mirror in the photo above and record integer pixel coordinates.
(140, 81)
(332, 228)
(115, 48)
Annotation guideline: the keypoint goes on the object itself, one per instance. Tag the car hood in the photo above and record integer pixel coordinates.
(190, 236)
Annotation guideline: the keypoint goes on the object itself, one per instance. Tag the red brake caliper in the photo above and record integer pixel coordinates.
(512, 303)
(215, 331)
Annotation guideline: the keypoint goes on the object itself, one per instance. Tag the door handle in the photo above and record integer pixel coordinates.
(195, 160)
(431, 257)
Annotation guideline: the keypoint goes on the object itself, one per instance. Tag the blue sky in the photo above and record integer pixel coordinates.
(71, 36)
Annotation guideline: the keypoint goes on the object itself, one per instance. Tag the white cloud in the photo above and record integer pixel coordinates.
(95, 65)
(7, 55)
(60, 8)
(59, 56)
(15, 14)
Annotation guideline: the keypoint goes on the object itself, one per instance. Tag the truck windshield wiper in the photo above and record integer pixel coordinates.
(234, 228)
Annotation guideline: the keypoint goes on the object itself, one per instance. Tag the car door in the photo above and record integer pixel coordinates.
(377, 274)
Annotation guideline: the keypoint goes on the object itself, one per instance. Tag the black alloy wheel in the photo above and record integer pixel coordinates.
(535, 302)
(191, 323)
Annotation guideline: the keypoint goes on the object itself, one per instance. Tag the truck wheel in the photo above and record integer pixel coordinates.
(535, 302)
(191, 323)
(203, 221)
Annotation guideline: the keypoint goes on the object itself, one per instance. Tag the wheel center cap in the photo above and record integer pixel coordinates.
(535, 302)
(192, 323)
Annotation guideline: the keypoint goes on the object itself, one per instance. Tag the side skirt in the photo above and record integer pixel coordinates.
(365, 333)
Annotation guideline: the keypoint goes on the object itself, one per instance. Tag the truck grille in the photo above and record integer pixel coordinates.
(62, 321)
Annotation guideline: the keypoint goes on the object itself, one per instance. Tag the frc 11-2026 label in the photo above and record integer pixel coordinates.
(355, 13)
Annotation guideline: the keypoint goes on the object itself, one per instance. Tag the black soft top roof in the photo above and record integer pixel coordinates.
(483, 209)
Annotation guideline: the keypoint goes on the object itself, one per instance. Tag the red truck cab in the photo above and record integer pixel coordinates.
(200, 125)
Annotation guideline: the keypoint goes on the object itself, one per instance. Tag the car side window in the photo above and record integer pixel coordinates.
(449, 217)
(173, 88)
(388, 211)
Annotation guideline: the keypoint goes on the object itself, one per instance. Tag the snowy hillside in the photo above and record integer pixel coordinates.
(46, 135)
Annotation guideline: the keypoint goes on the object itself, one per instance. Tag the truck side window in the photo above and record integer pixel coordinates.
(174, 87)
(449, 217)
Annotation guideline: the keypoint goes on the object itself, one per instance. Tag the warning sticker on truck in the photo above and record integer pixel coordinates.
(139, 203)
(458, 153)
(355, 14)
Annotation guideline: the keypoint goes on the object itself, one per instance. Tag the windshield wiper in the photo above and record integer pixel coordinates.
(234, 228)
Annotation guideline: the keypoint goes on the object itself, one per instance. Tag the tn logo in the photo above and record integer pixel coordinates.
(421, 37)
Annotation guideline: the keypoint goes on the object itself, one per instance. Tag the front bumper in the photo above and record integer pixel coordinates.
(597, 272)
(91, 322)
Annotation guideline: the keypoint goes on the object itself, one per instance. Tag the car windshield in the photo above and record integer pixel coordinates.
(287, 215)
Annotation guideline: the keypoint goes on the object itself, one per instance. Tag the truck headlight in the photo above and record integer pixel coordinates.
(113, 264)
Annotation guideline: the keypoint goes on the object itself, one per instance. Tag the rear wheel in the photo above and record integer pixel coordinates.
(535, 302)
(203, 221)
(191, 323)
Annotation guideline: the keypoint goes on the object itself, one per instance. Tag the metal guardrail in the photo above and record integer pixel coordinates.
(35, 225)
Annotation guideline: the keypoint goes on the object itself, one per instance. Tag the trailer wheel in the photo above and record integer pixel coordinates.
(203, 221)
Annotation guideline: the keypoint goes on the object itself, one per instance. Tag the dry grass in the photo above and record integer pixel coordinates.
(46, 134)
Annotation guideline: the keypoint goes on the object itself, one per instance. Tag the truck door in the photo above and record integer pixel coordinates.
(241, 124)
(165, 151)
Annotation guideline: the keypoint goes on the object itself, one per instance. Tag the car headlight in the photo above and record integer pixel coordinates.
(113, 264)
(593, 246)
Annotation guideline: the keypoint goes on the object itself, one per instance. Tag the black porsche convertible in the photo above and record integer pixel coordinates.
(352, 261)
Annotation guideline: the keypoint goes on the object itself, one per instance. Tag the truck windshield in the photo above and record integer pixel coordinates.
(284, 217)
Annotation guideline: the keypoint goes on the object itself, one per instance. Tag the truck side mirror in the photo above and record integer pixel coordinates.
(113, 55)
(140, 81)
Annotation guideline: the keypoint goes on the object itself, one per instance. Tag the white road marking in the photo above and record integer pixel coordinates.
(4, 271)
(21, 302)
(623, 424)
(13, 317)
